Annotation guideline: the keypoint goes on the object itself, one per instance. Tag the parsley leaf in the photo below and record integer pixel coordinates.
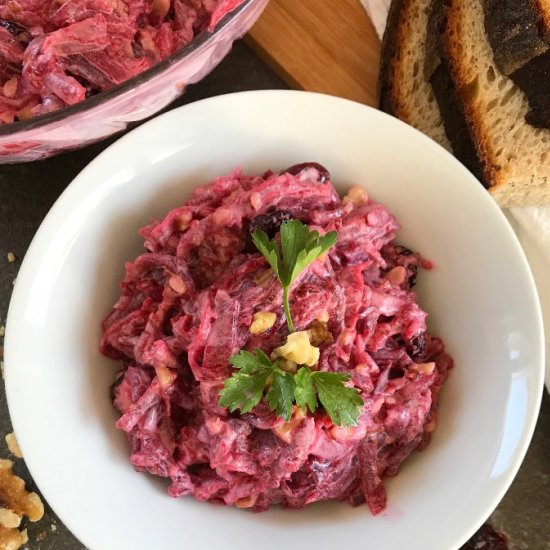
(299, 248)
(242, 391)
(305, 391)
(268, 248)
(249, 363)
(280, 395)
(342, 404)
(245, 389)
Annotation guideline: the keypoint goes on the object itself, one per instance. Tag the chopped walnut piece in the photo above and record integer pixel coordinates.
(423, 368)
(356, 195)
(12, 539)
(177, 284)
(10, 88)
(13, 446)
(183, 222)
(246, 502)
(298, 348)
(262, 321)
(323, 316)
(165, 376)
(256, 201)
(16, 502)
(263, 277)
(9, 519)
(397, 276)
(319, 333)
(14, 496)
(286, 430)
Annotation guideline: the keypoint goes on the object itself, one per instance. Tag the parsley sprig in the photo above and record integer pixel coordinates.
(299, 247)
(258, 375)
(245, 389)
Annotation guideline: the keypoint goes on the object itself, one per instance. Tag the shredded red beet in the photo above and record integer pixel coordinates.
(186, 307)
(54, 54)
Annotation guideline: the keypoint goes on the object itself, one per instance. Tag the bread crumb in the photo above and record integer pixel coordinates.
(13, 446)
(11, 257)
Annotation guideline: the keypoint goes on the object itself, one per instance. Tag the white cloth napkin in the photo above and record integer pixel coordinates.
(532, 225)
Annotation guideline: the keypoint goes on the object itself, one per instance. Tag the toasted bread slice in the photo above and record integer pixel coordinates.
(403, 90)
(519, 34)
(515, 156)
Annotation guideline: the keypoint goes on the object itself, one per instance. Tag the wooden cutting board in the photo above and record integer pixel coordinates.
(327, 46)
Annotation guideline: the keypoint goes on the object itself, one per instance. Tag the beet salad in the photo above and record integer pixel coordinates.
(56, 53)
(271, 346)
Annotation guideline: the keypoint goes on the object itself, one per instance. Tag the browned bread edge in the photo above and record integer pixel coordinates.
(387, 77)
(465, 89)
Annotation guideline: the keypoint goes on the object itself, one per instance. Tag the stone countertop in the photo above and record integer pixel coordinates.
(27, 191)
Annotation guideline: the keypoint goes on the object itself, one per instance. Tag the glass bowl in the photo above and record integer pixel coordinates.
(111, 111)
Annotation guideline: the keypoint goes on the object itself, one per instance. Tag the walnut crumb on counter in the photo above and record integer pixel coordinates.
(13, 446)
(16, 503)
(11, 257)
(12, 539)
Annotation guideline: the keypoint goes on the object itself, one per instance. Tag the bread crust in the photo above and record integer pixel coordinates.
(388, 83)
(518, 34)
(402, 89)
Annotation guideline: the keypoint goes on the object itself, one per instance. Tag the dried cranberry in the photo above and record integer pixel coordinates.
(413, 271)
(269, 223)
(396, 372)
(167, 324)
(417, 345)
(116, 384)
(488, 539)
(137, 49)
(403, 251)
(313, 170)
(14, 28)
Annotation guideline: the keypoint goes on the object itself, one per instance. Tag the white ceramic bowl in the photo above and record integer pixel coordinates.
(481, 299)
